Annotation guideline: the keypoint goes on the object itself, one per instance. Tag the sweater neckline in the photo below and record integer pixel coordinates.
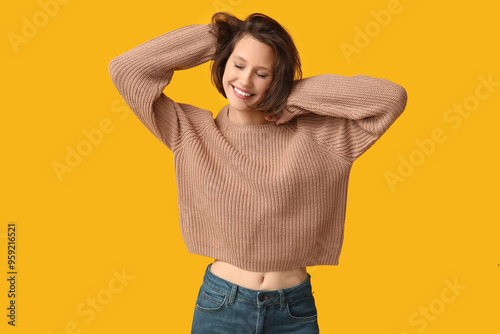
(230, 124)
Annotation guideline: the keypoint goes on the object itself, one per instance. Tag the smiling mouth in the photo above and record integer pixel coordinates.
(242, 93)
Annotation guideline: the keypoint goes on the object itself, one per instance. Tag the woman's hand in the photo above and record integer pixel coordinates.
(281, 117)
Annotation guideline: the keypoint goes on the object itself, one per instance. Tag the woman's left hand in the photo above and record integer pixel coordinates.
(281, 117)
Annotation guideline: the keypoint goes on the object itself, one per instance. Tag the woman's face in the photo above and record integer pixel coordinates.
(248, 73)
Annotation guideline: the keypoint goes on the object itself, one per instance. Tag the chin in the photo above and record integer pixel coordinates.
(239, 107)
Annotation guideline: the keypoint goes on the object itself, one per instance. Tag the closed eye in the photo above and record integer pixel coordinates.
(263, 76)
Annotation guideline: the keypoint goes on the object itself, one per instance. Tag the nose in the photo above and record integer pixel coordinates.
(245, 79)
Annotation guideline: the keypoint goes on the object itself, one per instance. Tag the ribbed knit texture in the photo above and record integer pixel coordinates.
(261, 197)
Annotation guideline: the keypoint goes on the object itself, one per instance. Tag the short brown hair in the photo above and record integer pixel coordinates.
(229, 30)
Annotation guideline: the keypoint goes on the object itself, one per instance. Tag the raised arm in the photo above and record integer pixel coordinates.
(142, 73)
(357, 110)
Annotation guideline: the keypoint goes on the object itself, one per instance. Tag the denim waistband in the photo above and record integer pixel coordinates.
(259, 298)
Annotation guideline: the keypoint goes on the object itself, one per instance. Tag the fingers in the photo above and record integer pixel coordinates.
(283, 118)
(279, 119)
(272, 118)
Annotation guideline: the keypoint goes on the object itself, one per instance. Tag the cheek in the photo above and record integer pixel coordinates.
(225, 81)
(265, 86)
(228, 75)
(226, 78)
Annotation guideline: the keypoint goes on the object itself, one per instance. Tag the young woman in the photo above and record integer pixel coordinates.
(262, 187)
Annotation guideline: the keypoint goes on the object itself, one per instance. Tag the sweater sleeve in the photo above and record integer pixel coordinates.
(347, 114)
(141, 74)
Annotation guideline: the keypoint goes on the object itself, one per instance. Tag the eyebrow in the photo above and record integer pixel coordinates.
(257, 67)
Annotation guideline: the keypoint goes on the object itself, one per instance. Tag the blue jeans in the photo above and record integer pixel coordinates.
(224, 307)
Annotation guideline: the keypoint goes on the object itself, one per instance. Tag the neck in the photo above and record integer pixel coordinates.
(250, 117)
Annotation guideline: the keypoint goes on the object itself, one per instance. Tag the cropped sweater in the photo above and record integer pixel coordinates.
(261, 197)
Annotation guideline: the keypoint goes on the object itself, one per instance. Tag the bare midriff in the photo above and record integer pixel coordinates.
(259, 280)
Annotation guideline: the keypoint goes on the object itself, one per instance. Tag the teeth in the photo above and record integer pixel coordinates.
(240, 92)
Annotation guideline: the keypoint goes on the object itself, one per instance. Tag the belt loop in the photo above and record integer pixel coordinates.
(232, 297)
(282, 299)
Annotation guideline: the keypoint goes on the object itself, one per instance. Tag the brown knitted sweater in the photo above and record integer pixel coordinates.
(261, 197)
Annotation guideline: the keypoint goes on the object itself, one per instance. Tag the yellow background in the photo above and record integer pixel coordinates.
(117, 208)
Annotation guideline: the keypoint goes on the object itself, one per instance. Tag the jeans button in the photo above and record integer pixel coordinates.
(262, 298)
